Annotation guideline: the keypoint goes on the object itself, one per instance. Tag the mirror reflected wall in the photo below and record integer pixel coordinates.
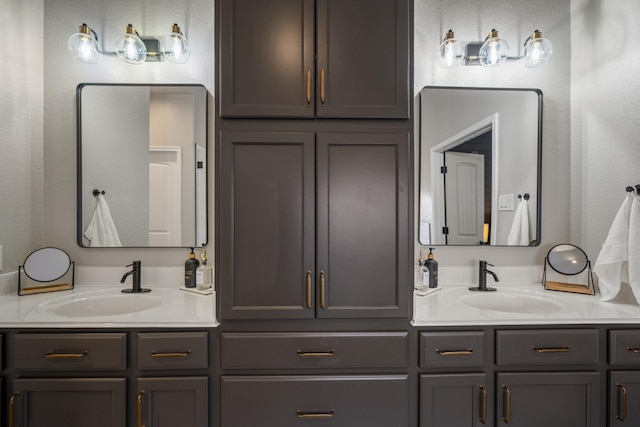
(145, 147)
(480, 154)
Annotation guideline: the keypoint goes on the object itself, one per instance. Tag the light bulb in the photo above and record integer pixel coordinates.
(493, 51)
(130, 48)
(450, 54)
(537, 50)
(175, 46)
(83, 45)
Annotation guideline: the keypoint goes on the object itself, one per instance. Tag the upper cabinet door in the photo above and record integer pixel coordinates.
(363, 58)
(266, 58)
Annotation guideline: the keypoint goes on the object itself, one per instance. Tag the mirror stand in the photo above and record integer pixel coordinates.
(588, 289)
(43, 288)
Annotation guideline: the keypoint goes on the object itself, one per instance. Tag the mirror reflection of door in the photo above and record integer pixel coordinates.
(464, 198)
(165, 196)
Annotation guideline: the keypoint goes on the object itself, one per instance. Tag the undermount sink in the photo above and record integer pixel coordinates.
(92, 304)
(510, 302)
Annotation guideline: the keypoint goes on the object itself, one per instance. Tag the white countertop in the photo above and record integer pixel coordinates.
(456, 305)
(172, 308)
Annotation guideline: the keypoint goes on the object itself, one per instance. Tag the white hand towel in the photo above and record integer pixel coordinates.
(102, 231)
(611, 265)
(633, 262)
(520, 233)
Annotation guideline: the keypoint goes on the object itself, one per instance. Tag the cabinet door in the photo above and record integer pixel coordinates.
(338, 401)
(68, 402)
(363, 58)
(558, 399)
(266, 256)
(171, 402)
(455, 400)
(624, 395)
(266, 58)
(362, 214)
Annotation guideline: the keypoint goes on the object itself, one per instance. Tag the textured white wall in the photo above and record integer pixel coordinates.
(605, 114)
(515, 20)
(21, 74)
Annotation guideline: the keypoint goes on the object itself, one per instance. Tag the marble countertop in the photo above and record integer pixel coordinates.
(168, 307)
(456, 305)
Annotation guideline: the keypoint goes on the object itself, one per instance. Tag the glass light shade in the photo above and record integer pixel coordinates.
(130, 48)
(451, 51)
(494, 50)
(83, 46)
(537, 51)
(175, 46)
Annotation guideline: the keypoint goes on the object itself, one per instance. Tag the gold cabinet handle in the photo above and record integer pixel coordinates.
(308, 87)
(139, 409)
(622, 409)
(315, 415)
(322, 87)
(11, 407)
(563, 349)
(308, 289)
(507, 406)
(157, 355)
(329, 353)
(323, 293)
(483, 394)
(633, 350)
(55, 355)
(467, 352)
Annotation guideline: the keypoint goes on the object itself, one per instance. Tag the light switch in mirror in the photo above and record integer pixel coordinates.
(144, 148)
(479, 149)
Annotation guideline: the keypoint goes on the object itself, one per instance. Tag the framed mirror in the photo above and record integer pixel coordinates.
(480, 162)
(142, 165)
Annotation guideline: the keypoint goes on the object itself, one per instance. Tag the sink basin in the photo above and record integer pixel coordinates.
(109, 303)
(510, 302)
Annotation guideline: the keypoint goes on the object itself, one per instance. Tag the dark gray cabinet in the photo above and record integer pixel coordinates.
(313, 225)
(455, 400)
(314, 58)
(172, 401)
(341, 401)
(68, 402)
(624, 395)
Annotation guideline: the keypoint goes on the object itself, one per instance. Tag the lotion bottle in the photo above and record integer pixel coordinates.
(431, 270)
(190, 267)
(204, 274)
(419, 280)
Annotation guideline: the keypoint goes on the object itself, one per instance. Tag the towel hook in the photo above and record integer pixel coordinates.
(630, 189)
(526, 196)
(97, 192)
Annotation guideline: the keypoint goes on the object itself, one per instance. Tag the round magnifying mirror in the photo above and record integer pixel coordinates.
(567, 259)
(46, 264)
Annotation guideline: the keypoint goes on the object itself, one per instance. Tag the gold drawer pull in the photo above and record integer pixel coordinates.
(139, 409)
(308, 87)
(483, 417)
(323, 89)
(315, 415)
(11, 407)
(308, 283)
(563, 349)
(54, 355)
(323, 292)
(507, 404)
(633, 350)
(176, 354)
(329, 353)
(622, 408)
(467, 352)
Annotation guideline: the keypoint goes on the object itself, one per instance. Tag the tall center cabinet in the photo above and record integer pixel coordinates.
(313, 203)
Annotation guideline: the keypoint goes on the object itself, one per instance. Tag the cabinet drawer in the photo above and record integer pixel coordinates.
(624, 347)
(338, 401)
(547, 347)
(76, 351)
(178, 350)
(451, 349)
(314, 350)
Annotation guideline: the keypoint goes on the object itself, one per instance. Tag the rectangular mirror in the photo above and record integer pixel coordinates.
(142, 165)
(480, 159)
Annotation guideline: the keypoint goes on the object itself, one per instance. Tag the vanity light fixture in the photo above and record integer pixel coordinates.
(493, 51)
(130, 47)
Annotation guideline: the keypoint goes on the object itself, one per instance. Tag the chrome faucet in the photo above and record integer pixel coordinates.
(482, 277)
(136, 288)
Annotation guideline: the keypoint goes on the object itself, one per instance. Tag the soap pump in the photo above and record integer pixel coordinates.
(204, 273)
(190, 267)
(419, 283)
(432, 266)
